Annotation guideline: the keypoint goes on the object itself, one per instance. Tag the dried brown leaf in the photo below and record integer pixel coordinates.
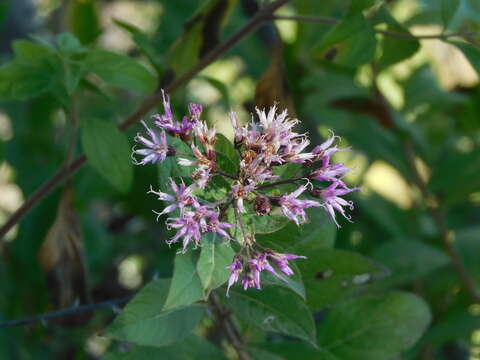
(61, 257)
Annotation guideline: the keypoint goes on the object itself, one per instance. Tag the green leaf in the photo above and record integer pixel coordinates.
(260, 354)
(120, 70)
(459, 324)
(318, 233)
(84, 20)
(144, 320)
(215, 256)
(169, 168)
(68, 44)
(331, 274)
(471, 52)
(274, 309)
(201, 34)
(226, 164)
(266, 224)
(351, 43)
(27, 52)
(394, 50)
(72, 54)
(186, 287)
(296, 350)
(35, 70)
(409, 259)
(374, 327)
(108, 152)
(448, 8)
(18, 81)
(193, 347)
(384, 213)
(226, 147)
(144, 43)
(292, 282)
(467, 244)
(222, 89)
(456, 175)
(357, 6)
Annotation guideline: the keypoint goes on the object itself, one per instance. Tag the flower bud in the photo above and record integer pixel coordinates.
(262, 205)
(172, 151)
(316, 192)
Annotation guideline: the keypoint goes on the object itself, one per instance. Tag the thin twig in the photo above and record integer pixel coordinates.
(72, 142)
(433, 207)
(145, 107)
(262, 16)
(230, 176)
(64, 313)
(332, 21)
(281, 182)
(229, 329)
(40, 193)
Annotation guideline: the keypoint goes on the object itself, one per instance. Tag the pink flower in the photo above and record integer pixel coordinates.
(188, 227)
(257, 264)
(249, 281)
(333, 201)
(195, 111)
(325, 149)
(206, 136)
(156, 147)
(293, 151)
(215, 225)
(167, 122)
(240, 132)
(294, 208)
(277, 126)
(281, 260)
(235, 269)
(239, 192)
(329, 172)
(183, 197)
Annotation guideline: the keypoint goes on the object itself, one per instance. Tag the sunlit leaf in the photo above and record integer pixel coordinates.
(351, 42)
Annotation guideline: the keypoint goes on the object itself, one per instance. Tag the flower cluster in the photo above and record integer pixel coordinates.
(267, 142)
(256, 264)
(194, 218)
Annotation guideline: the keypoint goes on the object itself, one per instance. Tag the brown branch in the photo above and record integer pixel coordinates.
(40, 193)
(72, 142)
(65, 312)
(262, 15)
(229, 329)
(407, 36)
(433, 207)
(147, 105)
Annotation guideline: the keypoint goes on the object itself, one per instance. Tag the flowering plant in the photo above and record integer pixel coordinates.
(265, 147)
